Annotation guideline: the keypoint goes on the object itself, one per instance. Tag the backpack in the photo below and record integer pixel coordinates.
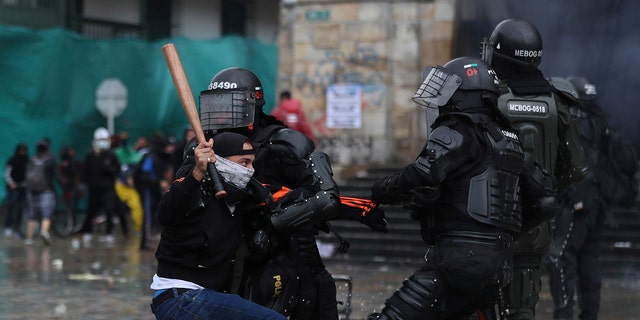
(36, 176)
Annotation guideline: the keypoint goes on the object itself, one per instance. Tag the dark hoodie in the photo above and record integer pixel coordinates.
(17, 165)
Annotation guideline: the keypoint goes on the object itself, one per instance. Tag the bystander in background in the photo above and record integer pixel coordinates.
(71, 174)
(152, 178)
(41, 196)
(290, 112)
(101, 169)
(14, 178)
(125, 188)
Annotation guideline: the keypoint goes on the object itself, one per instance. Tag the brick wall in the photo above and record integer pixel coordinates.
(381, 46)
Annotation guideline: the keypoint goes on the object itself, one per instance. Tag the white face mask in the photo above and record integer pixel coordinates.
(101, 145)
(234, 173)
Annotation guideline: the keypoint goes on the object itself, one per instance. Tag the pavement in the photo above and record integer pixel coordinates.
(102, 280)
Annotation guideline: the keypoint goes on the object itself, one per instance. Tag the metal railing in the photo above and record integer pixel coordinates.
(35, 14)
(95, 28)
(46, 14)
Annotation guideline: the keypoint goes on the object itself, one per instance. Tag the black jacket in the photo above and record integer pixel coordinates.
(101, 169)
(18, 169)
(199, 237)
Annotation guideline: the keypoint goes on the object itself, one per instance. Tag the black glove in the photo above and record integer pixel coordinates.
(376, 220)
(378, 190)
(387, 191)
(363, 210)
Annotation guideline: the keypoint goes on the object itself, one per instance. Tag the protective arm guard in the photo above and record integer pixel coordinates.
(323, 205)
(419, 182)
(444, 152)
(540, 200)
(389, 191)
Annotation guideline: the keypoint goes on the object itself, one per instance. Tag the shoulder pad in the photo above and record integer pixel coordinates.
(564, 87)
(290, 144)
(446, 137)
(444, 151)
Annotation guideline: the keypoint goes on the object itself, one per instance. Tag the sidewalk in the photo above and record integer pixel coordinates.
(112, 282)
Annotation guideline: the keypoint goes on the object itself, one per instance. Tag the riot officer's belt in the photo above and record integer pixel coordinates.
(495, 240)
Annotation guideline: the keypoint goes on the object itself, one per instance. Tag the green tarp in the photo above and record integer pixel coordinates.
(48, 83)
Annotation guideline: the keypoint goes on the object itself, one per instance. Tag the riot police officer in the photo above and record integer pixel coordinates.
(537, 108)
(573, 257)
(284, 257)
(468, 187)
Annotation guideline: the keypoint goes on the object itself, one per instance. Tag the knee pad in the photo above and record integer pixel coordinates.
(416, 299)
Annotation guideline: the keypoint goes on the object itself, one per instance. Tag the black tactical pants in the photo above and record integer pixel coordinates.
(573, 262)
(459, 275)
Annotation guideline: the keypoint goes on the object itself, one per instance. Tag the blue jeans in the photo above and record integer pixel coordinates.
(210, 304)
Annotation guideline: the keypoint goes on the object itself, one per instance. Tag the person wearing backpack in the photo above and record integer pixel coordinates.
(41, 196)
(572, 261)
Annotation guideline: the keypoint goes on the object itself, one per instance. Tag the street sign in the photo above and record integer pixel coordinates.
(317, 14)
(111, 100)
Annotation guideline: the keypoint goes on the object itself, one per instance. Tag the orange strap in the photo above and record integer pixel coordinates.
(280, 193)
(365, 205)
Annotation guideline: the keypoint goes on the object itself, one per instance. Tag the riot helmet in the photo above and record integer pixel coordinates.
(586, 90)
(513, 41)
(231, 100)
(461, 84)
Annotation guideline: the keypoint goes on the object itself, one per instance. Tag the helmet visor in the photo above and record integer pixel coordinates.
(437, 88)
(226, 109)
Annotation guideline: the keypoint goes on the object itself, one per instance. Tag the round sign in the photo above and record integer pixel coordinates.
(111, 97)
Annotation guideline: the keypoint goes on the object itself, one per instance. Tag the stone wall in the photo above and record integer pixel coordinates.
(381, 46)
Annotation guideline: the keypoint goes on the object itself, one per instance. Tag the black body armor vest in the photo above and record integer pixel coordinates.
(493, 196)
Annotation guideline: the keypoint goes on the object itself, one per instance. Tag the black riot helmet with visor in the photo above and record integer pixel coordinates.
(513, 41)
(460, 85)
(586, 90)
(231, 100)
